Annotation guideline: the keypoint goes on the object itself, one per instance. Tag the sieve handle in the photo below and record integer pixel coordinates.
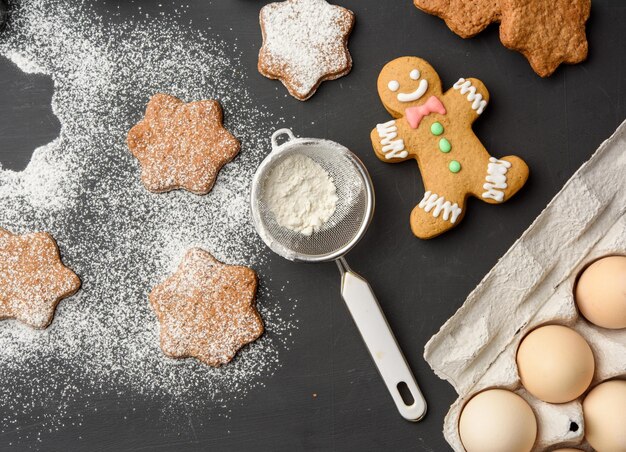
(278, 133)
(381, 343)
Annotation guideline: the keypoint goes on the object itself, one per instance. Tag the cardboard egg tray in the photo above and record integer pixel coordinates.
(532, 285)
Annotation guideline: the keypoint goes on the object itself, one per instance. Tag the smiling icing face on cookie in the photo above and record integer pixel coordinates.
(394, 86)
(400, 88)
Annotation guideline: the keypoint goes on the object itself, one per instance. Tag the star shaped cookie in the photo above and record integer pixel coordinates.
(465, 18)
(181, 145)
(304, 43)
(546, 32)
(206, 309)
(32, 278)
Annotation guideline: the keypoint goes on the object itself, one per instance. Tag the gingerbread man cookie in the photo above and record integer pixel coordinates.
(304, 43)
(435, 129)
(181, 145)
(207, 309)
(546, 32)
(32, 278)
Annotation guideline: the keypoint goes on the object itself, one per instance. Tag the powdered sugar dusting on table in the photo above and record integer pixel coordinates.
(85, 189)
(306, 40)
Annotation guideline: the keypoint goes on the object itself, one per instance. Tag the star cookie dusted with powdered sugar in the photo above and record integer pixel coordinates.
(304, 43)
(181, 145)
(32, 278)
(206, 309)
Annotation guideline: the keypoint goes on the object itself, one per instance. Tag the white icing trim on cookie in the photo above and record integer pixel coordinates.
(392, 148)
(496, 179)
(438, 204)
(478, 103)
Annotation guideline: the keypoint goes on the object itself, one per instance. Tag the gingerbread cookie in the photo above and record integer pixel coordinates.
(32, 278)
(181, 145)
(206, 309)
(304, 43)
(435, 129)
(546, 32)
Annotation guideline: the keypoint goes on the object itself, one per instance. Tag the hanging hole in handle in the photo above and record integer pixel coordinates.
(278, 133)
(405, 393)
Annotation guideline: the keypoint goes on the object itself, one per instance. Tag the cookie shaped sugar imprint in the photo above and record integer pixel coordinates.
(181, 145)
(305, 42)
(546, 32)
(435, 129)
(206, 309)
(32, 278)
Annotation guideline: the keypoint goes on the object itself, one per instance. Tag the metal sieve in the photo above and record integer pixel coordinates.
(336, 237)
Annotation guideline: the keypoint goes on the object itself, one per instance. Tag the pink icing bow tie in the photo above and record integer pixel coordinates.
(414, 115)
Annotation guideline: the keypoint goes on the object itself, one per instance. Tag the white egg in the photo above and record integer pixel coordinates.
(604, 410)
(497, 420)
(601, 292)
(555, 364)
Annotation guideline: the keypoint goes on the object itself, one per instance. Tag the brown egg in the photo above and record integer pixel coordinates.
(601, 292)
(555, 364)
(604, 409)
(497, 420)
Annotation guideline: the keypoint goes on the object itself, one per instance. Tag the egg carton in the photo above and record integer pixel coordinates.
(532, 285)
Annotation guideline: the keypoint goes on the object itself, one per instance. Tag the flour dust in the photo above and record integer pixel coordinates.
(84, 188)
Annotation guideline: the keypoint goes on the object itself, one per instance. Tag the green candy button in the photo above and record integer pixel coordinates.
(436, 128)
(444, 145)
(454, 166)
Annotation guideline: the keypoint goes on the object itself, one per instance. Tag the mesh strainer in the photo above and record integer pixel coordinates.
(346, 226)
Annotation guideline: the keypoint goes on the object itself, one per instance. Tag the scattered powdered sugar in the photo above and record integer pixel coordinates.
(84, 188)
(305, 40)
(300, 194)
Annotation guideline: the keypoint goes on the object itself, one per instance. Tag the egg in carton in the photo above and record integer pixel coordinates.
(533, 285)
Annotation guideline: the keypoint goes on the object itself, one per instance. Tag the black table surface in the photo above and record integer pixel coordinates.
(555, 124)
